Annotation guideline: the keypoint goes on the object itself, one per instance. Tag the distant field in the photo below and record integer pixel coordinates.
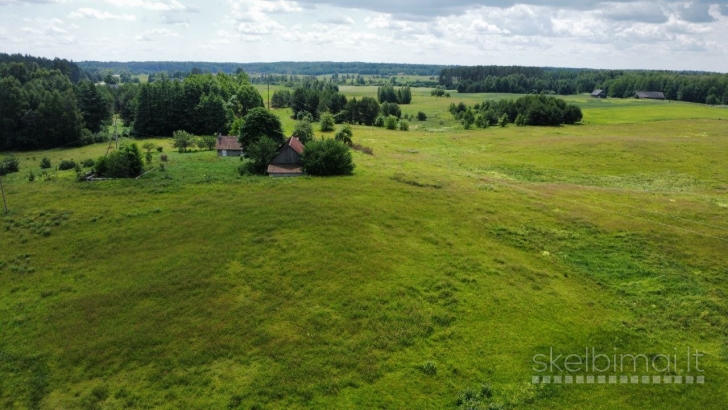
(447, 262)
(400, 78)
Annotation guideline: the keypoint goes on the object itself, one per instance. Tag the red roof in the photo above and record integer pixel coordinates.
(228, 144)
(295, 143)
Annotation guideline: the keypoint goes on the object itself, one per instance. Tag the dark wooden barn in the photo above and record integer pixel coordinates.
(599, 94)
(288, 161)
(649, 95)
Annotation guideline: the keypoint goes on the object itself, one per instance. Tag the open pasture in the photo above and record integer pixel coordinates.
(447, 262)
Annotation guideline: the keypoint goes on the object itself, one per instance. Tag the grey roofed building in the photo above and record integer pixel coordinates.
(228, 146)
(599, 94)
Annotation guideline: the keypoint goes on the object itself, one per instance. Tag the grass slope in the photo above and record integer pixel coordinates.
(446, 262)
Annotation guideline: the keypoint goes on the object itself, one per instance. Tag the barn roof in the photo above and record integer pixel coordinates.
(296, 144)
(228, 144)
(654, 95)
(597, 92)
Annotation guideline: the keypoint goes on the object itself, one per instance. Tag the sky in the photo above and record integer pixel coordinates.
(622, 34)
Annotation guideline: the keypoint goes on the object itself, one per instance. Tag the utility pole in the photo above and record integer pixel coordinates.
(5, 202)
(116, 134)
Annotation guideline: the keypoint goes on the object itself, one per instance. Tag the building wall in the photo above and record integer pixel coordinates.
(287, 156)
(228, 153)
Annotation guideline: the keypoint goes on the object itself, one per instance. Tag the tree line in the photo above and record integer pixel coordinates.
(200, 104)
(710, 88)
(299, 68)
(66, 67)
(41, 108)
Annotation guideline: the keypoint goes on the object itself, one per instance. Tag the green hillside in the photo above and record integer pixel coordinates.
(444, 264)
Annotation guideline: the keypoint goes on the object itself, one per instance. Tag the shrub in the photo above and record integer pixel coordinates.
(328, 123)
(403, 125)
(390, 123)
(160, 149)
(126, 162)
(259, 154)
(467, 119)
(66, 165)
(31, 176)
(303, 131)
(379, 121)
(345, 135)
(149, 146)
(208, 142)
(104, 136)
(391, 108)
(481, 121)
(503, 122)
(183, 140)
(327, 157)
(421, 116)
(429, 368)
(88, 163)
(520, 120)
(45, 163)
(9, 165)
(572, 114)
(304, 115)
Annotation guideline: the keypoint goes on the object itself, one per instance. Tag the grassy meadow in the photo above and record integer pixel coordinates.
(445, 263)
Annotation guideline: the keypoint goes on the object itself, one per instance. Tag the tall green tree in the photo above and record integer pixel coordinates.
(368, 110)
(260, 123)
(93, 106)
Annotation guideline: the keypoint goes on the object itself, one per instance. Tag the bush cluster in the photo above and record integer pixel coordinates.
(66, 165)
(528, 110)
(327, 157)
(126, 162)
(9, 165)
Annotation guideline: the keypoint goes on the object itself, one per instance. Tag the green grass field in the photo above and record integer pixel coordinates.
(446, 262)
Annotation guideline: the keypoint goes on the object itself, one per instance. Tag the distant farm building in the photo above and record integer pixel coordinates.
(288, 161)
(649, 95)
(599, 94)
(228, 146)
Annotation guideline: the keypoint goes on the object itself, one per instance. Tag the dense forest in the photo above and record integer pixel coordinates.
(40, 106)
(202, 104)
(65, 67)
(289, 68)
(710, 88)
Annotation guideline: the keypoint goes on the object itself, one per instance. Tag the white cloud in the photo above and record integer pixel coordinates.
(339, 20)
(156, 34)
(667, 34)
(9, 2)
(99, 15)
(172, 5)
